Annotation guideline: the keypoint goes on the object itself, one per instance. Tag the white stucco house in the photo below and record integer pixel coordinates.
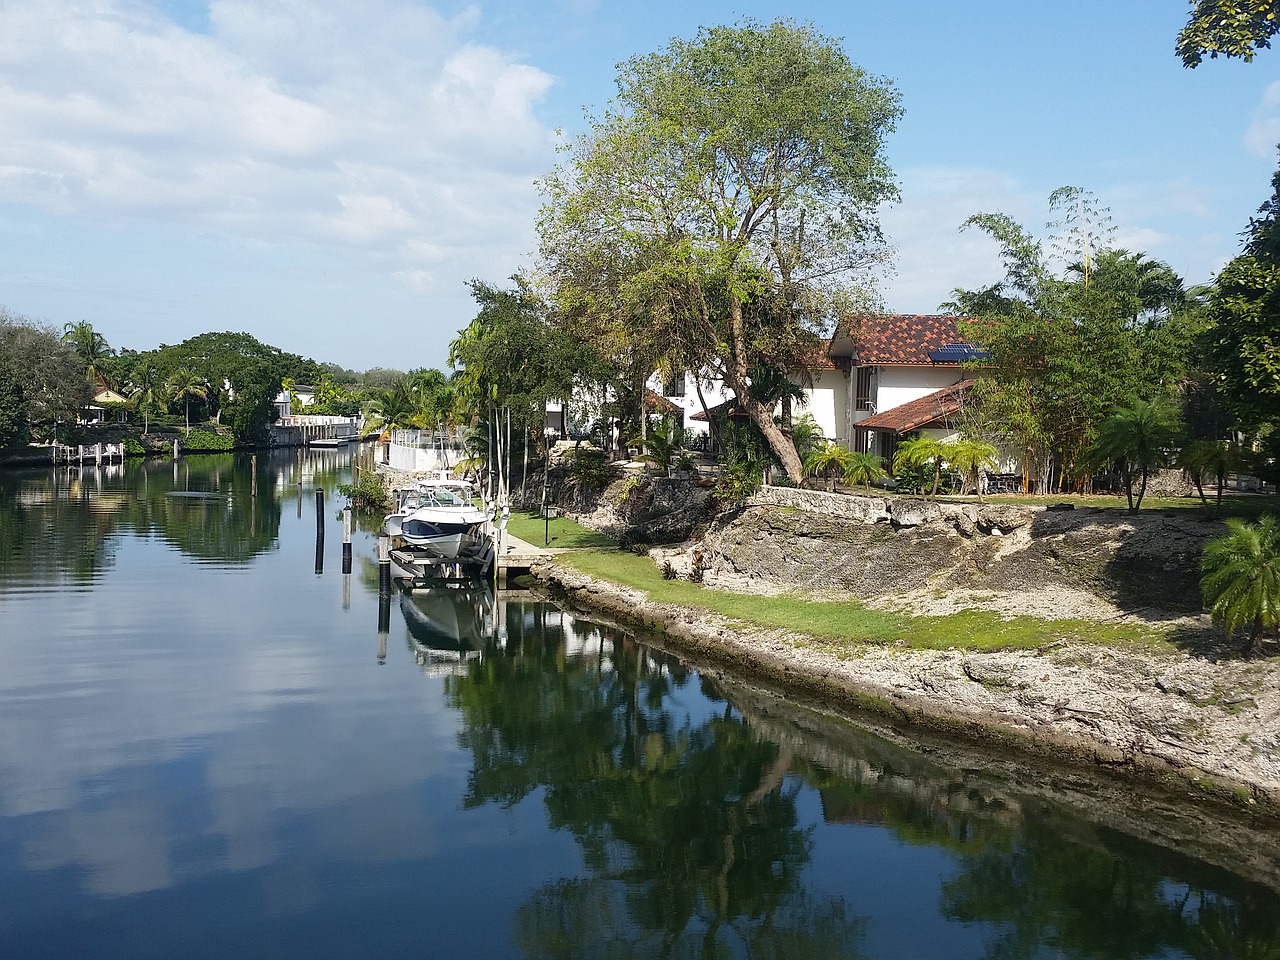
(904, 373)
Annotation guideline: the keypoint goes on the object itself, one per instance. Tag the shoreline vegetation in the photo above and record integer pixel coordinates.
(1049, 672)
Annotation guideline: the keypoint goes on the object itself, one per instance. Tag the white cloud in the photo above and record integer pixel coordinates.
(1263, 132)
(934, 256)
(376, 127)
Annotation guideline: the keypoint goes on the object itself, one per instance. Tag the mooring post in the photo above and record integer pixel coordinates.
(346, 539)
(319, 531)
(384, 566)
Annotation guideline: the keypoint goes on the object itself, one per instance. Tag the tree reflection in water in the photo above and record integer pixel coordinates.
(688, 825)
(691, 835)
(63, 523)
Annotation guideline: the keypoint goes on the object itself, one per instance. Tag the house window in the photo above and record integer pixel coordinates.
(862, 396)
(674, 387)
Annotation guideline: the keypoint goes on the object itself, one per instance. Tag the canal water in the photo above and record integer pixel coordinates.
(213, 743)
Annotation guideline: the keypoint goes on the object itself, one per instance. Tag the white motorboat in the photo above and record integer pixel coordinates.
(436, 523)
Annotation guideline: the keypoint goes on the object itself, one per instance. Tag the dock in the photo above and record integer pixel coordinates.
(517, 557)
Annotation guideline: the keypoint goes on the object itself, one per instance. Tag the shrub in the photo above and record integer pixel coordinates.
(590, 470)
(736, 484)
(367, 494)
(207, 440)
(133, 448)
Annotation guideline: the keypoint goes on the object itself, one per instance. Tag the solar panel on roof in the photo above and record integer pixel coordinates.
(958, 353)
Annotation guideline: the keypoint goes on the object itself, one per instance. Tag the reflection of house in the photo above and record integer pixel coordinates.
(905, 375)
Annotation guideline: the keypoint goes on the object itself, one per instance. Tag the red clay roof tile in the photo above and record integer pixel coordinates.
(920, 412)
(900, 337)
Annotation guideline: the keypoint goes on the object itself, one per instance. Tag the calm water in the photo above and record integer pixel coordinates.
(208, 748)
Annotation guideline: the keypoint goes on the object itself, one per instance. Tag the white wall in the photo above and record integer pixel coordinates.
(898, 385)
(828, 400)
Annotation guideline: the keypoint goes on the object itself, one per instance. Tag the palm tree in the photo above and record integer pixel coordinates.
(1215, 458)
(397, 406)
(807, 434)
(183, 384)
(922, 452)
(971, 457)
(1241, 578)
(1140, 437)
(864, 467)
(146, 390)
(92, 349)
(662, 442)
(829, 461)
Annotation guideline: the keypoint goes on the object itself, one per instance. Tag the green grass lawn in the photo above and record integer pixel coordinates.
(530, 527)
(843, 627)
(1244, 506)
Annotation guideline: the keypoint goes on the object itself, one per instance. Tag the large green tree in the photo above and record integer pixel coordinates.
(53, 382)
(727, 200)
(1068, 348)
(1230, 28)
(14, 427)
(1242, 342)
(511, 356)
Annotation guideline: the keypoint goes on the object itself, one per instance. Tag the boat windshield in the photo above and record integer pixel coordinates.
(444, 497)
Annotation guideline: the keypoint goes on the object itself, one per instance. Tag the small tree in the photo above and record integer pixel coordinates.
(828, 461)
(1241, 582)
(864, 468)
(1216, 458)
(971, 457)
(662, 444)
(922, 452)
(1140, 437)
(183, 384)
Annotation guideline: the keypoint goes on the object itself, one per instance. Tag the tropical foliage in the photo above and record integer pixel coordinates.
(1068, 349)
(1241, 582)
(1230, 28)
(701, 226)
(1138, 438)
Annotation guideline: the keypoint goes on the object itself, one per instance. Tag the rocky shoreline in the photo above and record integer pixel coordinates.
(1200, 721)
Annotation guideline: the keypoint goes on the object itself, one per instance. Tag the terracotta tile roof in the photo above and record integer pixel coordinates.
(918, 413)
(820, 358)
(899, 338)
(660, 405)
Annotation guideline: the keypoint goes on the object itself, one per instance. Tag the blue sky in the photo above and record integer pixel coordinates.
(328, 175)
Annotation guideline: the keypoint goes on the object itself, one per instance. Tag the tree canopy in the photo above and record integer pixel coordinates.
(724, 206)
(1067, 348)
(47, 383)
(1230, 28)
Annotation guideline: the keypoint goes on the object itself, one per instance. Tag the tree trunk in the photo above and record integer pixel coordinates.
(1251, 648)
(736, 374)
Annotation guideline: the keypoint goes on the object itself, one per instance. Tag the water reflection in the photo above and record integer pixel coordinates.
(690, 825)
(209, 759)
(63, 524)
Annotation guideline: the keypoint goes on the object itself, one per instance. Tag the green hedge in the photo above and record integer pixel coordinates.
(207, 440)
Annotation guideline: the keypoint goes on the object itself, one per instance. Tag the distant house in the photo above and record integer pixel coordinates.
(906, 374)
(104, 400)
(304, 394)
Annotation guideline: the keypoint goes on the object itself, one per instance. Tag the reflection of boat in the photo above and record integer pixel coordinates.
(449, 622)
(438, 530)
